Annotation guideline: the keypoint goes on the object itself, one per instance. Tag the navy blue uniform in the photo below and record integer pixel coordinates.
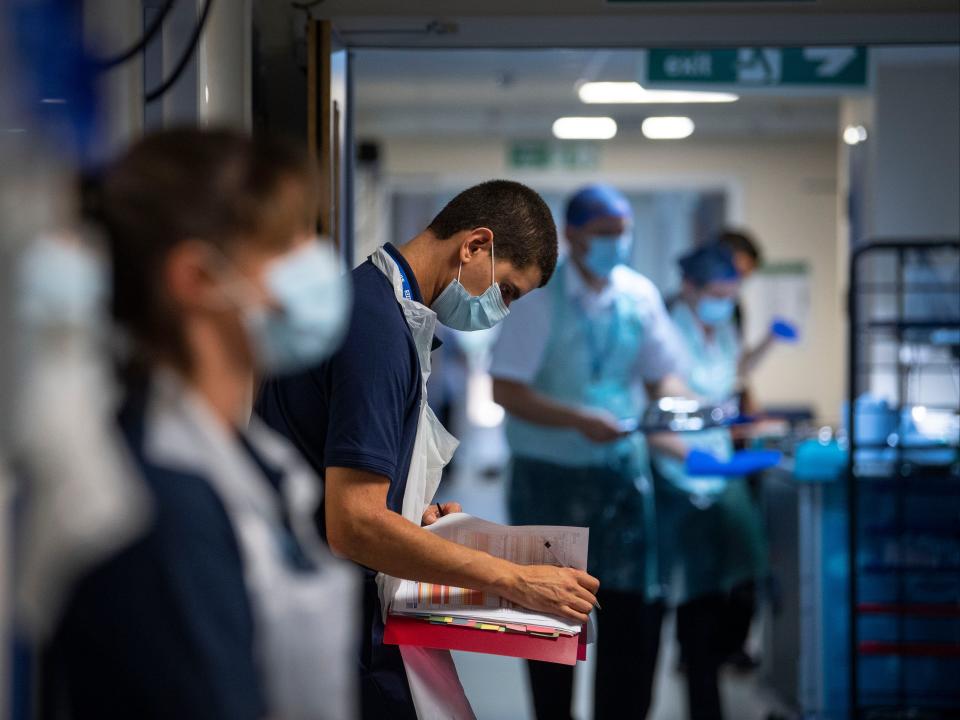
(360, 409)
(163, 629)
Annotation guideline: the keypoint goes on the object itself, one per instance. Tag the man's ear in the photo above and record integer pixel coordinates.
(187, 274)
(475, 241)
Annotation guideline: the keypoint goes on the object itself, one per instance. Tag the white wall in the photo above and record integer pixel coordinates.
(916, 149)
(783, 190)
(111, 26)
(225, 65)
(215, 87)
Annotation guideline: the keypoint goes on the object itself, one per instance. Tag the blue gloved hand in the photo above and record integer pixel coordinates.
(745, 462)
(784, 330)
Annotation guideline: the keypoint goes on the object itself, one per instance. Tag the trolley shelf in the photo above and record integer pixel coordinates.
(928, 610)
(932, 708)
(885, 569)
(873, 647)
(913, 530)
(903, 487)
(909, 485)
(897, 325)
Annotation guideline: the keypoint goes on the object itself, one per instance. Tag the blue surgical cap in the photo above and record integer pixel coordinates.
(711, 263)
(596, 201)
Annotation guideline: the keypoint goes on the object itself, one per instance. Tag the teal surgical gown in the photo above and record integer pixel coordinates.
(562, 478)
(710, 533)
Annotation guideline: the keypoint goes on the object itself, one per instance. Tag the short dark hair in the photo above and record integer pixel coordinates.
(215, 185)
(740, 241)
(522, 225)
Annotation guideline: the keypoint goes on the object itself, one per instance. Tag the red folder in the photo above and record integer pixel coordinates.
(402, 630)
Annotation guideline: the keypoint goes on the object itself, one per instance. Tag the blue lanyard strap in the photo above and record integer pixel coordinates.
(599, 352)
(407, 289)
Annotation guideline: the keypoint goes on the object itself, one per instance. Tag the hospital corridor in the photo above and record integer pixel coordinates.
(530, 360)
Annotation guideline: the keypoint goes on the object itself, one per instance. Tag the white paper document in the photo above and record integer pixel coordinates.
(525, 545)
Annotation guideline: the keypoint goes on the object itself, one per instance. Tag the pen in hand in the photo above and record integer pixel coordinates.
(439, 511)
(549, 548)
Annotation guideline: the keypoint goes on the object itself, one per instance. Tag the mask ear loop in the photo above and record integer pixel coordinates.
(240, 291)
(493, 269)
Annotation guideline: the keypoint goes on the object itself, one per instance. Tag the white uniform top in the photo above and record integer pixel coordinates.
(520, 349)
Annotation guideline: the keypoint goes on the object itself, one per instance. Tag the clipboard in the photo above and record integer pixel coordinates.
(564, 650)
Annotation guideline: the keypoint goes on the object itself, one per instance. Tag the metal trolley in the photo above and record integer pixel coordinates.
(903, 481)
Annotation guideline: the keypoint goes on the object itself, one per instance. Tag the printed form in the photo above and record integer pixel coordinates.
(525, 545)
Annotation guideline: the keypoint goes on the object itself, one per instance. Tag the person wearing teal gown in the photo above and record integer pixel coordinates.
(570, 369)
(711, 539)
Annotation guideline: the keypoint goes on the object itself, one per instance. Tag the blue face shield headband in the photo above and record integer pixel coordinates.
(458, 309)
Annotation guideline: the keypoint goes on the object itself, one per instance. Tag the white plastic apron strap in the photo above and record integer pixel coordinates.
(434, 685)
(303, 620)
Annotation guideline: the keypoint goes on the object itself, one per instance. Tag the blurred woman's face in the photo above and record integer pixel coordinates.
(744, 263)
(237, 274)
(245, 284)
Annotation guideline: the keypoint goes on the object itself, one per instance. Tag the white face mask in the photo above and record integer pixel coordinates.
(458, 309)
(314, 301)
(62, 283)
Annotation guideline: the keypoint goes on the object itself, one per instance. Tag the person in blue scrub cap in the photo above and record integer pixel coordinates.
(711, 539)
(573, 368)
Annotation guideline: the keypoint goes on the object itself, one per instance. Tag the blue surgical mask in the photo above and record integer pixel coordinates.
(458, 309)
(313, 299)
(715, 311)
(606, 252)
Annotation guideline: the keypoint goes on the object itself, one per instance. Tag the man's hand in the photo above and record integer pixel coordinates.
(599, 426)
(361, 528)
(432, 513)
(554, 590)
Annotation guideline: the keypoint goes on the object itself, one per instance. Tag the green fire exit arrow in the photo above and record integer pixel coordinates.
(757, 67)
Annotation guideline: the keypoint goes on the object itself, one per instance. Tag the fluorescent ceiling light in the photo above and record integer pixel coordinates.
(633, 92)
(667, 128)
(584, 128)
(854, 134)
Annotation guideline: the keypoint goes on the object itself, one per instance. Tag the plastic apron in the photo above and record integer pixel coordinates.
(434, 685)
(303, 620)
(710, 532)
(591, 361)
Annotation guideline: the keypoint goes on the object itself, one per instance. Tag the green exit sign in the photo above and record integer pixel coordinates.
(838, 67)
(549, 155)
(530, 154)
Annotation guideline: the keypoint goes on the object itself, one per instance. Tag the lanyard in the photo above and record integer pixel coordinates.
(407, 290)
(598, 354)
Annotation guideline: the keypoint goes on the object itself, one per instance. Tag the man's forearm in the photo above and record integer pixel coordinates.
(525, 403)
(670, 385)
(750, 359)
(670, 444)
(388, 542)
(360, 527)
